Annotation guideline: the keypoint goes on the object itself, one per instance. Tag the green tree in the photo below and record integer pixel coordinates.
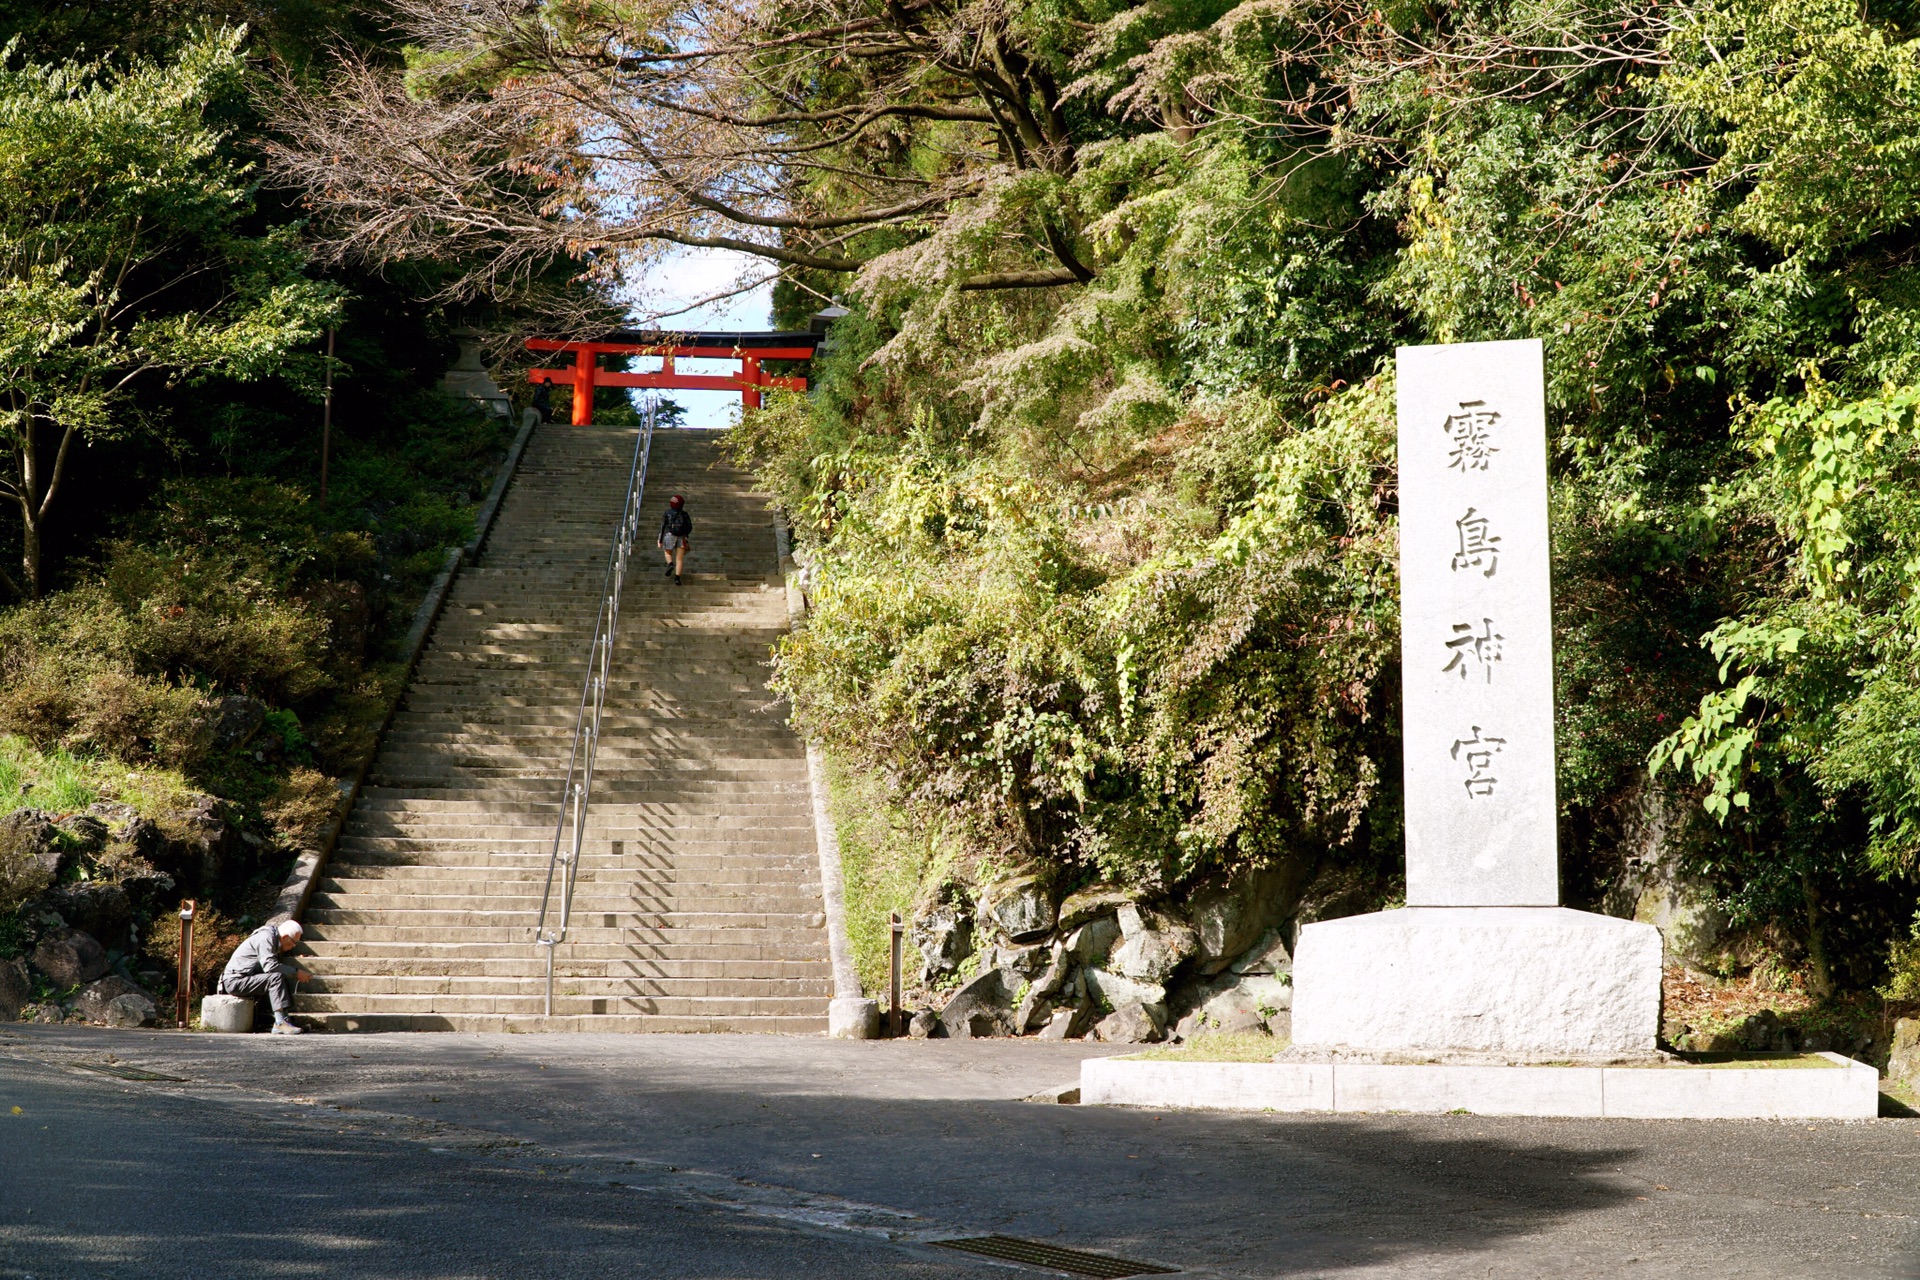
(126, 257)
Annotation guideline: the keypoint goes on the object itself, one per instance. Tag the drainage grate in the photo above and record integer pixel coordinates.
(1053, 1258)
(128, 1073)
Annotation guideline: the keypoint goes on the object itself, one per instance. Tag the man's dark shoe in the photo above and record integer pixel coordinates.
(676, 579)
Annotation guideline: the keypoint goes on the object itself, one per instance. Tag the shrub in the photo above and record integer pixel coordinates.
(1903, 964)
(271, 526)
(302, 806)
(214, 940)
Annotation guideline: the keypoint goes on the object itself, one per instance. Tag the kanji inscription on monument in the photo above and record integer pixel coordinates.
(1476, 626)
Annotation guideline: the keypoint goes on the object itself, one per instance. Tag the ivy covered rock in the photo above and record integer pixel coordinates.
(944, 938)
(99, 909)
(96, 996)
(134, 1009)
(1131, 1023)
(15, 989)
(29, 847)
(1020, 906)
(981, 1008)
(69, 958)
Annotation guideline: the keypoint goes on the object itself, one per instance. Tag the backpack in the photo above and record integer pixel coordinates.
(678, 523)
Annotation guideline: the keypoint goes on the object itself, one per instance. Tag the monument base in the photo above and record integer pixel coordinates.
(1514, 984)
(1803, 1087)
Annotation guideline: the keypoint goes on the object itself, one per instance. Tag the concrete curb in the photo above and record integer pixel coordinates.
(1846, 1089)
(307, 869)
(850, 1015)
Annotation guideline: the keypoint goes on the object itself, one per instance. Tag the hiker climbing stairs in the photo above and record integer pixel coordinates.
(698, 906)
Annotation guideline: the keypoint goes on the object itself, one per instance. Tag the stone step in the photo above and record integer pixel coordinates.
(585, 1023)
(530, 1002)
(363, 877)
(765, 873)
(646, 846)
(678, 940)
(532, 985)
(590, 898)
(605, 791)
(530, 961)
(595, 949)
(641, 852)
(382, 799)
(523, 912)
(719, 824)
(634, 758)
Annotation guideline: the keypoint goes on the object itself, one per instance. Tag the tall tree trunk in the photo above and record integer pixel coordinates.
(29, 555)
(1817, 959)
(28, 469)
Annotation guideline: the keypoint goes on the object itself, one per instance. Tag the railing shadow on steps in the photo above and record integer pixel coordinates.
(570, 831)
(311, 863)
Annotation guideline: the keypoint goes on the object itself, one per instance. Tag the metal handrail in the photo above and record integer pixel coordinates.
(563, 863)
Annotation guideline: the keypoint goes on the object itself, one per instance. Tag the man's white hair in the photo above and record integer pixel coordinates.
(291, 929)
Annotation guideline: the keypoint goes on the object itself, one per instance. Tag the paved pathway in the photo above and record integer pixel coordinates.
(728, 1146)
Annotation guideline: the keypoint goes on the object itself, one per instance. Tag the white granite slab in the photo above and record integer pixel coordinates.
(1520, 981)
(1846, 1090)
(1476, 626)
(1485, 1091)
(1214, 1086)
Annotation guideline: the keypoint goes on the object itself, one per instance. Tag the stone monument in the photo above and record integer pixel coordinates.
(469, 380)
(1482, 963)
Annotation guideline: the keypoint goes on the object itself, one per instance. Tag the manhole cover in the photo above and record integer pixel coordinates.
(128, 1073)
(1054, 1258)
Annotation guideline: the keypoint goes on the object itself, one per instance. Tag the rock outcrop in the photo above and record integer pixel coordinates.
(69, 958)
(1104, 961)
(15, 989)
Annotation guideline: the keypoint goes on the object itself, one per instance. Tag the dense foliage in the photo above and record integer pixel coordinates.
(1096, 489)
(1104, 575)
(169, 558)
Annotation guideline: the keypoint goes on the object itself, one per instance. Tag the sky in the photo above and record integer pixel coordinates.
(684, 277)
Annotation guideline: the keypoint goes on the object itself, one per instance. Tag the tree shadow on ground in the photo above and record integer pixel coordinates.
(1236, 1194)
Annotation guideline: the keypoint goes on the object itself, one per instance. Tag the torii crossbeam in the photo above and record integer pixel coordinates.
(748, 348)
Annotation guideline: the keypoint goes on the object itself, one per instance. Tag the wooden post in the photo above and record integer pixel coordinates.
(183, 974)
(583, 387)
(895, 1023)
(750, 374)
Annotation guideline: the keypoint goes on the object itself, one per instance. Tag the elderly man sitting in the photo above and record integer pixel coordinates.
(256, 967)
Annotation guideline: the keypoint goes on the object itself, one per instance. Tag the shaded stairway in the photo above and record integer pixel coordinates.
(698, 906)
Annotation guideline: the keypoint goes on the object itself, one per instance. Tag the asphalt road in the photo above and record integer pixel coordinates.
(721, 1156)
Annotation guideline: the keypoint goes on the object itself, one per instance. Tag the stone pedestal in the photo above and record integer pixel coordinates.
(1512, 983)
(853, 1019)
(233, 1014)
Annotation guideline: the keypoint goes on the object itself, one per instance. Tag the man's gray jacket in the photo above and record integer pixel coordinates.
(260, 953)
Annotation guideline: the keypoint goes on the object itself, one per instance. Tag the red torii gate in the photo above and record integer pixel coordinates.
(748, 348)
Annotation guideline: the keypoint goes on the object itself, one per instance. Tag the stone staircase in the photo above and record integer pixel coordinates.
(698, 906)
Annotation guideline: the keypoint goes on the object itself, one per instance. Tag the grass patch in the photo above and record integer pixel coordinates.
(61, 782)
(1217, 1046)
(882, 864)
